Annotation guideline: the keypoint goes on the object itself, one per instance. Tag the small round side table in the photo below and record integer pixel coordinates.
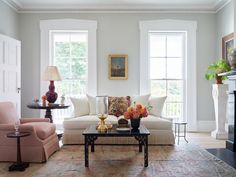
(177, 130)
(48, 108)
(19, 165)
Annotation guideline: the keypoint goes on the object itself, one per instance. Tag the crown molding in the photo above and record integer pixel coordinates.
(14, 4)
(18, 7)
(220, 6)
(117, 11)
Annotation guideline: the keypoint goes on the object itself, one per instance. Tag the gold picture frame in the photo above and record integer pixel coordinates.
(227, 46)
(118, 67)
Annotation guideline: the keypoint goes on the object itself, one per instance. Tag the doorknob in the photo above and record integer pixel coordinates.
(18, 90)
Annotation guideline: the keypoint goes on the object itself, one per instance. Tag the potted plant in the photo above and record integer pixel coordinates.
(216, 68)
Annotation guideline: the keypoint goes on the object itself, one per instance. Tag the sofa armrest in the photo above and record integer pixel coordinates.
(7, 128)
(69, 118)
(26, 120)
(167, 118)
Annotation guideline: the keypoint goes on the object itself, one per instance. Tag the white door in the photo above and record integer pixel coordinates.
(10, 71)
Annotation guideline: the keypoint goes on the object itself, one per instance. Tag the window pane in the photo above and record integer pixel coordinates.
(174, 110)
(61, 37)
(174, 46)
(62, 49)
(78, 49)
(79, 68)
(157, 45)
(63, 65)
(79, 37)
(70, 87)
(157, 68)
(174, 68)
(175, 91)
(158, 88)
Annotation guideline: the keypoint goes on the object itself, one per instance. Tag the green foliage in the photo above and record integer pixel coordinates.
(215, 68)
(71, 60)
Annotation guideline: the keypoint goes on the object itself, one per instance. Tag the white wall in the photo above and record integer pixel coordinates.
(8, 21)
(225, 25)
(117, 34)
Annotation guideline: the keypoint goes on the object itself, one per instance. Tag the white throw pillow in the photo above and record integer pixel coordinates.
(92, 104)
(156, 104)
(142, 99)
(81, 106)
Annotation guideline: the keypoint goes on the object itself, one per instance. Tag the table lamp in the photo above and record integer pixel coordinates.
(51, 74)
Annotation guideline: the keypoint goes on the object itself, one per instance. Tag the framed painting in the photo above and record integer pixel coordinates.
(227, 46)
(118, 67)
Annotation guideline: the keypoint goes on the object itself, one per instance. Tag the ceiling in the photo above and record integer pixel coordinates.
(119, 5)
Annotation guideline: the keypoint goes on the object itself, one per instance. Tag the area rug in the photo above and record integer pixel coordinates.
(125, 161)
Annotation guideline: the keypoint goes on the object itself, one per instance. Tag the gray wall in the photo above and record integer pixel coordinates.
(225, 25)
(117, 33)
(9, 21)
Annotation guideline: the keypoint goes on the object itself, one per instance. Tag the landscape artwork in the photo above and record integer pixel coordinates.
(118, 67)
(227, 46)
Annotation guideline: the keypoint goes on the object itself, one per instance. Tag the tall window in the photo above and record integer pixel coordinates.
(71, 45)
(70, 55)
(168, 66)
(167, 70)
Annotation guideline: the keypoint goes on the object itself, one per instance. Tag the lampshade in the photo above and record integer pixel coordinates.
(51, 74)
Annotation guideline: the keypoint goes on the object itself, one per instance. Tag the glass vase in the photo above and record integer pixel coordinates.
(102, 111)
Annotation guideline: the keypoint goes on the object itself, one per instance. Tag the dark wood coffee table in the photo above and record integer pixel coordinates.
(91, 134)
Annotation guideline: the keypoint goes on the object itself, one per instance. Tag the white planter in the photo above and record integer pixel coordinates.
(220, 103)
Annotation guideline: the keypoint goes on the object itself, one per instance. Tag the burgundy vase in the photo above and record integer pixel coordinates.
(51, 94)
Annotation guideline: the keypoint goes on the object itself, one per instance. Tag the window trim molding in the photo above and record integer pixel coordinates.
(69, 24)
(172, 25)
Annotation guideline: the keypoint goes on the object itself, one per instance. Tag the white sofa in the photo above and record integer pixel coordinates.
(160, 128)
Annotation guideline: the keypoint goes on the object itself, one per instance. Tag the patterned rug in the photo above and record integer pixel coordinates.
(125, 161)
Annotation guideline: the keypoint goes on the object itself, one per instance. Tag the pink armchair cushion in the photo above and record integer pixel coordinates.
(43, 129)
(25, 120)
(8, 114)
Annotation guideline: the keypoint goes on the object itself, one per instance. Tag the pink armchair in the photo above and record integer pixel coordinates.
(37, 147)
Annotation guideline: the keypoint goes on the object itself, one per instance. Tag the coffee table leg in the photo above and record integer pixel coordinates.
(140, 147)
(92, 146)
(145, 151)
(86, 151)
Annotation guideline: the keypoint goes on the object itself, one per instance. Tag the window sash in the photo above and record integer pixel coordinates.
(166, 79)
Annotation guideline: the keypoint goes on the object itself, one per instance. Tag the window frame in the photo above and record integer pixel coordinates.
(52, 50)
(69, 24)
(166, 79)
(191, 87)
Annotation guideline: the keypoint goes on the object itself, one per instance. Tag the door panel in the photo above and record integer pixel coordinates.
(10, 71)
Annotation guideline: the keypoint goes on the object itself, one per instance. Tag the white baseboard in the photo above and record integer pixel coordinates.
(208, 126)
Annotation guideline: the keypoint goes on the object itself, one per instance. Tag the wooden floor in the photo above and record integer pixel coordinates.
(204, 140)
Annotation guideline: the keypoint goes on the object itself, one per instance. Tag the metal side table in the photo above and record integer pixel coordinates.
(178, 132)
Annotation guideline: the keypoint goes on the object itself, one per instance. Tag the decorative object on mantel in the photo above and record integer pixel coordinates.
(220, 104)
(232, 59)
(214, 69)
(44, 98)
(135, 113)
(227, 46)
(51, 74)
(118, 67)
(102, 112)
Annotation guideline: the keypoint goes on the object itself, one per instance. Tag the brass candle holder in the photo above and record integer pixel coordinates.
(102, 112)
(102, 126)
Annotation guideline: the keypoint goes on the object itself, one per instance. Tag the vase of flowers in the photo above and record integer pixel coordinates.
(135, 113)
